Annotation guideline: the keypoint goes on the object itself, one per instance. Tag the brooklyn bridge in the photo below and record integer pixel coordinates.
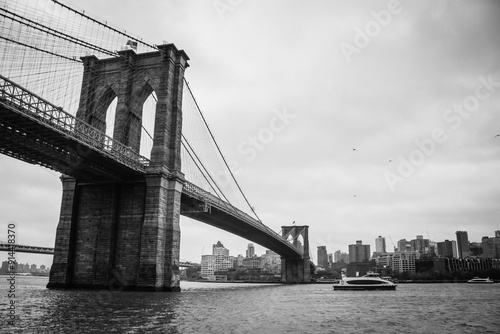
(117, 118)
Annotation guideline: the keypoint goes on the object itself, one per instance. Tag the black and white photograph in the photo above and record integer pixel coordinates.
(249, 166)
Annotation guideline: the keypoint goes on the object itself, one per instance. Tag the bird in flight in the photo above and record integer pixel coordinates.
(354, 149)
(497, 136)
(390, 160)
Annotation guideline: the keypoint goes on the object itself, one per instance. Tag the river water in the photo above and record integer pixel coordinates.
(253, 308)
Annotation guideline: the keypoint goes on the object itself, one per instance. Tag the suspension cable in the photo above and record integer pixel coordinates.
(220, 152)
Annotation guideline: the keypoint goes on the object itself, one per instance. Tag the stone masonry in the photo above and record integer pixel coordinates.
(126, 233)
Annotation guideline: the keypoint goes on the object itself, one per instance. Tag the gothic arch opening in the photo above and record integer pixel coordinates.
(104, 111)
(148, 125)
(110, 117)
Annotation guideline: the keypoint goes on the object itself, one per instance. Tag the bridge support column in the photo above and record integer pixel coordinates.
(160, 235)
(295, 271)
(61, 269)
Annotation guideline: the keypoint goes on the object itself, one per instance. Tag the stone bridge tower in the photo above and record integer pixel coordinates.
(296, 270)
(126, 232)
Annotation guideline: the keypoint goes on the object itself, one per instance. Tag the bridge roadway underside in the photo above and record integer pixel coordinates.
(30, 140)
(227, 222)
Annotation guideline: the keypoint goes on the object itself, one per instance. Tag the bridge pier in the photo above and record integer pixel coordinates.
(126, 232)
(296, 270)
(160, 235)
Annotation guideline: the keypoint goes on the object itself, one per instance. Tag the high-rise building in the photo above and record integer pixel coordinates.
(218, 261)
(208, 267)
(219, 249)
(322, 257)
(339, 256)
(250, 250)
(462, 244)
(420, 245)
(380, 245)
(404, 245)
(359, 252)
(447, 248)
(491, 247)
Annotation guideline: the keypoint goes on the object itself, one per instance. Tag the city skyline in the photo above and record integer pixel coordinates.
(207, 248)
(327, 123)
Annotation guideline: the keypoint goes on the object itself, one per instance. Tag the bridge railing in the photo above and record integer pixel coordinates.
(203, 195)
(44, 112)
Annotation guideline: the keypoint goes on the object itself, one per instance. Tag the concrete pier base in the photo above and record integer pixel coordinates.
(118, 234)
(295, 271)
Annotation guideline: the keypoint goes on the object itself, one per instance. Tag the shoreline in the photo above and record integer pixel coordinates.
(395, 282)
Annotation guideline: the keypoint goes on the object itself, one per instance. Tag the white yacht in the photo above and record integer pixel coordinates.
(370, 281)
(478, 280)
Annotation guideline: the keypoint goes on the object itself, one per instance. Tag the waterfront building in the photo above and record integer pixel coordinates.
(357, 269)
(462, 244)
(5, 268)
(208, 267)
(447, 248)
(218, 261)
(401, 262)
(470, 264)
(238, 261)
(322, 257)
(252, 262)
(475, 249)
(491, 247)
(383, 260)
(359, 252)
(424, 265)
(271, 262)
(380, 245)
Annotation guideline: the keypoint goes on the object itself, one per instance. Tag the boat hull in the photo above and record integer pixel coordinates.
(364, 287)
(477, 280)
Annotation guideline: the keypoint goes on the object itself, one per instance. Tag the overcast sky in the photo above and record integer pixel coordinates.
(356, 118)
